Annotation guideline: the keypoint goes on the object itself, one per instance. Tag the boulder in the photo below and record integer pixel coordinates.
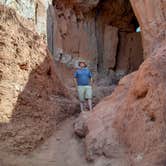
(80, 127)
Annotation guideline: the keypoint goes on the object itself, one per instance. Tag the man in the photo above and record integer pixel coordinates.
(83, 80)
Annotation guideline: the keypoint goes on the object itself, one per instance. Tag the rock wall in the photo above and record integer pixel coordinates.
(88, 26)
(32, 98)
(130, 124)
(110, 47)
(72, 37)
(33, 10)
(130, 49)
(95, 31)
(151, 17)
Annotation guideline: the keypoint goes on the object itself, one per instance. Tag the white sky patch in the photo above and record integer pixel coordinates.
(138, 29)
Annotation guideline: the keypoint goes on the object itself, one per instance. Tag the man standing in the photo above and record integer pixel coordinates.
(83, 80)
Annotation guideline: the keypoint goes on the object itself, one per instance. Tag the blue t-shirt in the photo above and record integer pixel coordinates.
(83, 76)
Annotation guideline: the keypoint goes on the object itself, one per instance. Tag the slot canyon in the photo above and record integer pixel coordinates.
(124, 45)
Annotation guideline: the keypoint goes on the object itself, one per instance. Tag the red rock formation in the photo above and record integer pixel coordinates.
(31, 95)
(78, 5)
(94, 29)
(151, 17)
(33, 10)
(130, 54)
(141, 120)
(131, 122)
(110, 47)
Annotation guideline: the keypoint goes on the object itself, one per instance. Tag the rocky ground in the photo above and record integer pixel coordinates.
(63, 148)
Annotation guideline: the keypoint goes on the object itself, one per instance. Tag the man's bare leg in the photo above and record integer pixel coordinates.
(82, 106)
(90, 104)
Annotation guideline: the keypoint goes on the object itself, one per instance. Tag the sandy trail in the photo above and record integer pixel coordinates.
(63, 148)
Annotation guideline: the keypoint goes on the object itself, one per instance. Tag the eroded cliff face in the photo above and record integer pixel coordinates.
(33, 10)
(151, 17)
(101, 32)
(130, 124)
(32, 98)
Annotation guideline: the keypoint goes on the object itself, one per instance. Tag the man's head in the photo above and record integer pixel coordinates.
(82, 64)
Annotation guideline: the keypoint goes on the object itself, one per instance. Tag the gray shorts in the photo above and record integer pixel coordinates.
(84, 92)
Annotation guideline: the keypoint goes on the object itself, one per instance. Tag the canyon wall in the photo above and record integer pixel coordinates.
(151, 17)
(86, 25)
(130, 124)
(33, 10)
(32, 98)
(98, 32)
(103, 33)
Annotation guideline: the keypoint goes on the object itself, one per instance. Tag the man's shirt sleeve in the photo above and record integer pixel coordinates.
(76, 75)
(90, 74)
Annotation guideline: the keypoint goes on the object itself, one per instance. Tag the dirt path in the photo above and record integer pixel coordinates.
(63, 148)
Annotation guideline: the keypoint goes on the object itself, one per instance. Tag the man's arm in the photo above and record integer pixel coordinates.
(91, 79)
(75, 81)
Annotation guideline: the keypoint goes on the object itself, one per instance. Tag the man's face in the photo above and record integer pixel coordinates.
(82, 65)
